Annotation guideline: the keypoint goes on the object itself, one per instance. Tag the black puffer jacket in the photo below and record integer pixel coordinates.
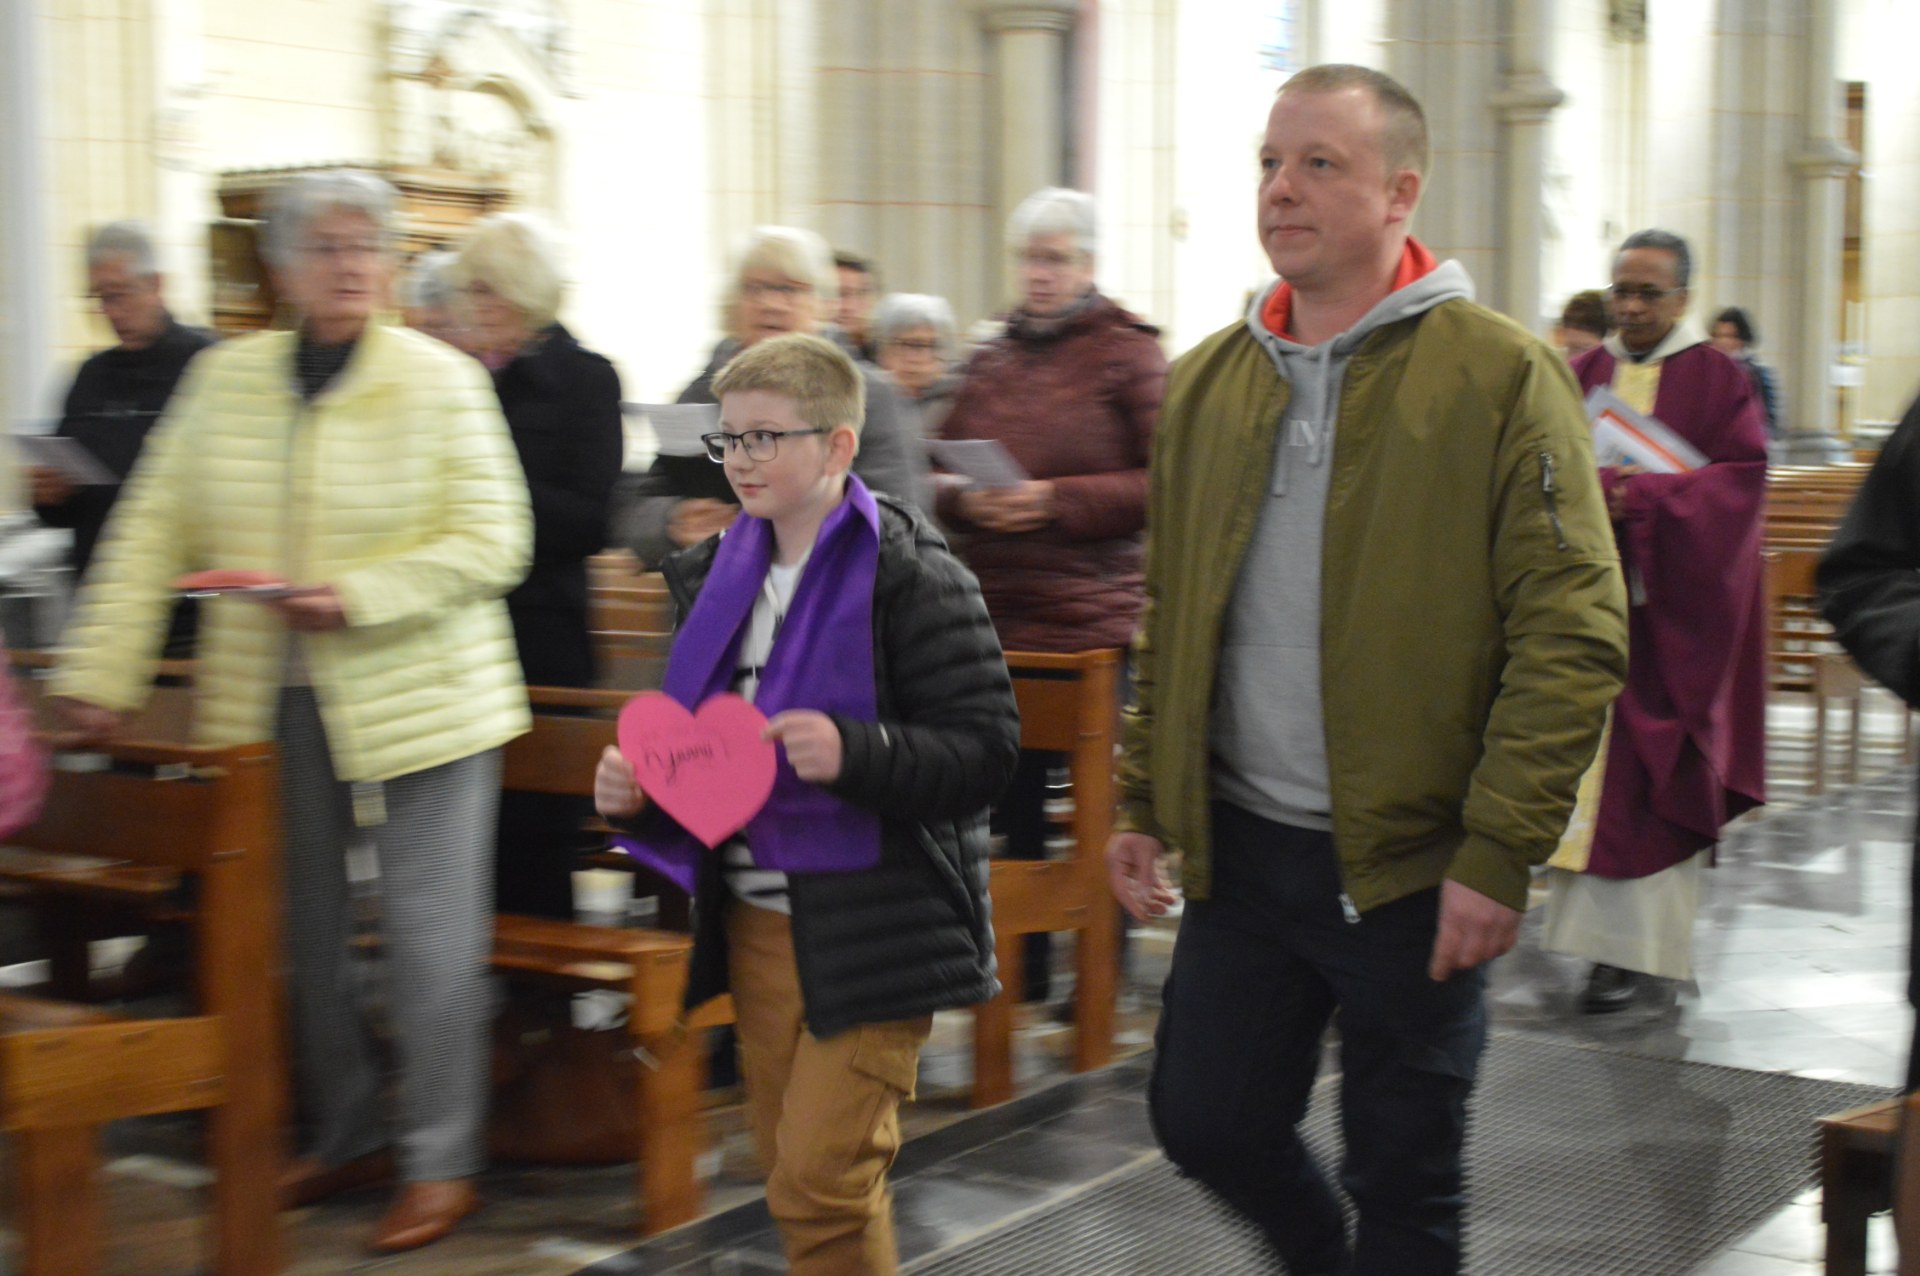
(1870, 575)
(914, 934)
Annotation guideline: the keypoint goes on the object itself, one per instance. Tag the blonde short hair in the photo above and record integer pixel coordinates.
(517, 257)
(826, 388)
(1403, 127)
(799, 255)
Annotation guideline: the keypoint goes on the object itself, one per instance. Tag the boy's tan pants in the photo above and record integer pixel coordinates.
(825, 1114)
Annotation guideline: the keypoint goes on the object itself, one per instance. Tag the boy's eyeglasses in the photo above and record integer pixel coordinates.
(759, 445)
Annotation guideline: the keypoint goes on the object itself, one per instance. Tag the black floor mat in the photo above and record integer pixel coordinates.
(1582, 1162)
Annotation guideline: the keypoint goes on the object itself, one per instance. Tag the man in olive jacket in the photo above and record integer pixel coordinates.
(1384, 621)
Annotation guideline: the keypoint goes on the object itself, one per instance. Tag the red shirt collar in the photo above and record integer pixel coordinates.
(1415, 261)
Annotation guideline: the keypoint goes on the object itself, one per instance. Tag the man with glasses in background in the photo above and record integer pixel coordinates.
(118, 393)
(1687, 749)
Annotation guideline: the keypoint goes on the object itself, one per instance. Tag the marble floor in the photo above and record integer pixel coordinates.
(1801, 957)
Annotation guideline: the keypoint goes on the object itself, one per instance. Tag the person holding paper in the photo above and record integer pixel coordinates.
(118, 394)
(1375, 662)
(1686, 752)
(784, 281)
(1071, 390)
(369, 468)
(853, 905)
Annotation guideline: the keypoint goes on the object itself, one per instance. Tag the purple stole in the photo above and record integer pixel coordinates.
(822, 659)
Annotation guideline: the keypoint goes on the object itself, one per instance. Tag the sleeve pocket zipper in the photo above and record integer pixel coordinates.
(1549, 491)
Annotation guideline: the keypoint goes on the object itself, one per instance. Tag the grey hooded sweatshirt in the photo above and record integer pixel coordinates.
(1269, 732)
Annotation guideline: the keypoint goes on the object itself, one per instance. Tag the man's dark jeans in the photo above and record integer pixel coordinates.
(1258, 971)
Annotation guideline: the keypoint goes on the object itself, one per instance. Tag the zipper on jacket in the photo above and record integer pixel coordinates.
(1347, 909)
(1549, 491)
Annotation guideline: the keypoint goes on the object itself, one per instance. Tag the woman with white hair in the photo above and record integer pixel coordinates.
(914, 343)
(427, 298)
(562, 403)
(1072, 389)
(783, 281)
(364, 474)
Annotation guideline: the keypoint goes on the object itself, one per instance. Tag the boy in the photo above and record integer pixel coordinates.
(854, 905)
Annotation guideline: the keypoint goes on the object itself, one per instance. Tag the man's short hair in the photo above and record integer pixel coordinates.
(129, 239)
(844, 260)
(826, 388)
(1586, 312)
(1403, 136)
(1667, 242)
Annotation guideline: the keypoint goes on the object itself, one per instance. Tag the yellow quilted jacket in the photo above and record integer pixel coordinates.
(398, 486)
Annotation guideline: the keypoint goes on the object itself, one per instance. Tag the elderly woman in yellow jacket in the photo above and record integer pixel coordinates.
(369, 469)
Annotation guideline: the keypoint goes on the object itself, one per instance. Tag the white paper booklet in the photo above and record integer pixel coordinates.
(982, 462)
(69, 456)
(1622, 436)
(678, 426)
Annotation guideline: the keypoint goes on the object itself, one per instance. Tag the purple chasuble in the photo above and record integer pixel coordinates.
(1688, 748)
(822, 659)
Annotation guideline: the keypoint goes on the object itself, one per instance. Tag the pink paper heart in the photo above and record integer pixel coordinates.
(709, 769)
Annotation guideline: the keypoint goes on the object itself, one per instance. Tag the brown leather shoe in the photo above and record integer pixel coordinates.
(422, 1213)
(306, 1180)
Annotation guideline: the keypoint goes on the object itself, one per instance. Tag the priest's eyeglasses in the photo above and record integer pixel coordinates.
(760, 445)
(1646, 293)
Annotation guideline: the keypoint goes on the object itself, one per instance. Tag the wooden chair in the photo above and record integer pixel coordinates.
(1066, 705)
(1856, 1178)
(570, 728)
(65, 1070)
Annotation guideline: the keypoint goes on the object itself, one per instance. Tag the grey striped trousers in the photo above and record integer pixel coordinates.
(436, 906)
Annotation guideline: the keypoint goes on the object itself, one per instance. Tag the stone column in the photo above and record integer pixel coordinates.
(1524, 103)
(1822, 161)
(26, 320)
(1027, 131)
(1444, 51)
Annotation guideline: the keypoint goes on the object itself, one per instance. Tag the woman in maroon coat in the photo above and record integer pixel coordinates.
(1072, 390)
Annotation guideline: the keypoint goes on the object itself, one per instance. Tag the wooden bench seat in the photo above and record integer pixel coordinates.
(142, 815)
(1067, 705)
(570, 729)
(1856, 1180)
(66, 1070)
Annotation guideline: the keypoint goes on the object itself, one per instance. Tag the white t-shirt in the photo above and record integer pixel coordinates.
(761, 887)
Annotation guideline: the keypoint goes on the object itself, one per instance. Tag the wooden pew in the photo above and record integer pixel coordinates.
(1803, 657)
(1856, 1177)
(1906, 1187)
(570, 728)
(1067, 704)
(631, 660)
(110, 898)
(65, 1070)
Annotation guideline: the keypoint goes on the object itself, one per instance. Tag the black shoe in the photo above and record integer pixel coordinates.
(1610, 988)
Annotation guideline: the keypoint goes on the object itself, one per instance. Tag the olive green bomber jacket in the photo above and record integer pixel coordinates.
(1473, 616)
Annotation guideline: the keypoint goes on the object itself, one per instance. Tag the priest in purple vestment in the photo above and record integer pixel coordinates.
(1686, 752)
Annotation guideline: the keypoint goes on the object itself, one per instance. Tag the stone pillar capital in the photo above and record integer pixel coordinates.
(1003, 16)
(1824, 157)
(1527, 99)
